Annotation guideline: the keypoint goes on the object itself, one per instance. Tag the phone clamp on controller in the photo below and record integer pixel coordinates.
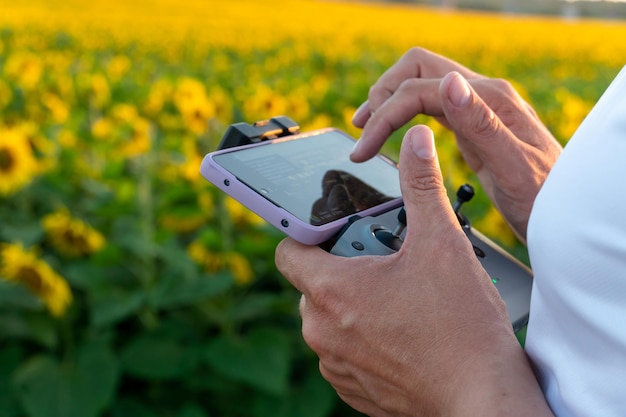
(239, 134)
(384, 234)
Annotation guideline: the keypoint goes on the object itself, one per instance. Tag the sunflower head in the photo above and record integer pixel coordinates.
(70, 236)
(24, 267)
(213, 262)
(18, 164)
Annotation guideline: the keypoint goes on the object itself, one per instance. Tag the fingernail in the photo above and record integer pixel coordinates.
(361, 111)
(459, 91)
(356, 147)
(423, 143)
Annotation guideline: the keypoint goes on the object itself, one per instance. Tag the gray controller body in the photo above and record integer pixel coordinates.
(511, 277)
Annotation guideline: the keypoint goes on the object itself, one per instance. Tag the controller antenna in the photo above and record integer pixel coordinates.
(463, 195)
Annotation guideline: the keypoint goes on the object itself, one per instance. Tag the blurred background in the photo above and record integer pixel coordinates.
(128, 284)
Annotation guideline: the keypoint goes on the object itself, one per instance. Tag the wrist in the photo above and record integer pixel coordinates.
(497, 381)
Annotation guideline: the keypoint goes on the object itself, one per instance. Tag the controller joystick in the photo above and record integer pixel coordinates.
(393, 239)
(464, 194)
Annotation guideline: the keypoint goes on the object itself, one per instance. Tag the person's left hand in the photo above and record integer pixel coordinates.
(408, 333)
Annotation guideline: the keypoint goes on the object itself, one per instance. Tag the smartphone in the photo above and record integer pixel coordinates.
(305, 185)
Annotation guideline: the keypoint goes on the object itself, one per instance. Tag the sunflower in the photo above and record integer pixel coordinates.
(70, 236)
(213, 262)
(240, 214)
(193, 104)
(18, 165)
(24, 267)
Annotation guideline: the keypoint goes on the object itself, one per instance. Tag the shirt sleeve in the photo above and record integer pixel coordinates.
(577, 245)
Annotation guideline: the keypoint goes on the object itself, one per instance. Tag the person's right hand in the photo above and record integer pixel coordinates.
(498, 133)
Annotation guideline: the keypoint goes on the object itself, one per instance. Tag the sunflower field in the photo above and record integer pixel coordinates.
(128, 284)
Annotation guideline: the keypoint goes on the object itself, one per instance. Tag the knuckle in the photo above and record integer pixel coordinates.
(426, 183)
(504, 86)
(284, 260)
(377, 95)
(416, 53)
(408, 86)
(312, 337)
(486, 124)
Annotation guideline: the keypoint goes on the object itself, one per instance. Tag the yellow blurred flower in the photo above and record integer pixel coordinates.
(160, 93)
(129, 133)
(24, 267)
(140, 140)
(206, 203)
(495, 227)
(222, 104)
(124, 112)
(43, 148)
(18, 164)
(240, 267)
(101, 128)
(573, 111)
(215, 261)
(297, 105)
(70, 236)
(320, 121)
(118, 66)
(101, 92)
(67, 139)
(208, 260)
(189, 215)
(265, 103)
(182, 223)
(58, 109)
(6, 95)
(196, 109)
(190, 168)
(26, 68)
(240, 214)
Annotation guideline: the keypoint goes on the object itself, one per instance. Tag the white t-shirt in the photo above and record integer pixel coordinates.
(577, 244)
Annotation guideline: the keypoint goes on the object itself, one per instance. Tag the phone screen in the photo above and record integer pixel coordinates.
(312, 176)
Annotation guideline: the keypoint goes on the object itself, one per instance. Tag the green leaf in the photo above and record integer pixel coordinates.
(159, 355)
(259, 304)
(40, 387)
(10, 357)
(125, 407)
(36, 327)
(13, 295)
(192, 410)
(83, 388)
(28, 234)
(176, 291)
(312, 397)
(85, 274)
(111, 305)
(97, 374)
(261, 359)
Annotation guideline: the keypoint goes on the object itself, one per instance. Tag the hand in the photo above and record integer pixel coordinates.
(497, 132)
(420, 332)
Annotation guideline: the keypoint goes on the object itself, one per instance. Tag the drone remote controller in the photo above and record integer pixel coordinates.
(384, 234)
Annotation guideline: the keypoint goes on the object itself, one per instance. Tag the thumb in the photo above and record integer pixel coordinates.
(426, 201)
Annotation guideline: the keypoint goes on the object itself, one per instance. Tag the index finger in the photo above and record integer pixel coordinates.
(412, 97)
(415, 63)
